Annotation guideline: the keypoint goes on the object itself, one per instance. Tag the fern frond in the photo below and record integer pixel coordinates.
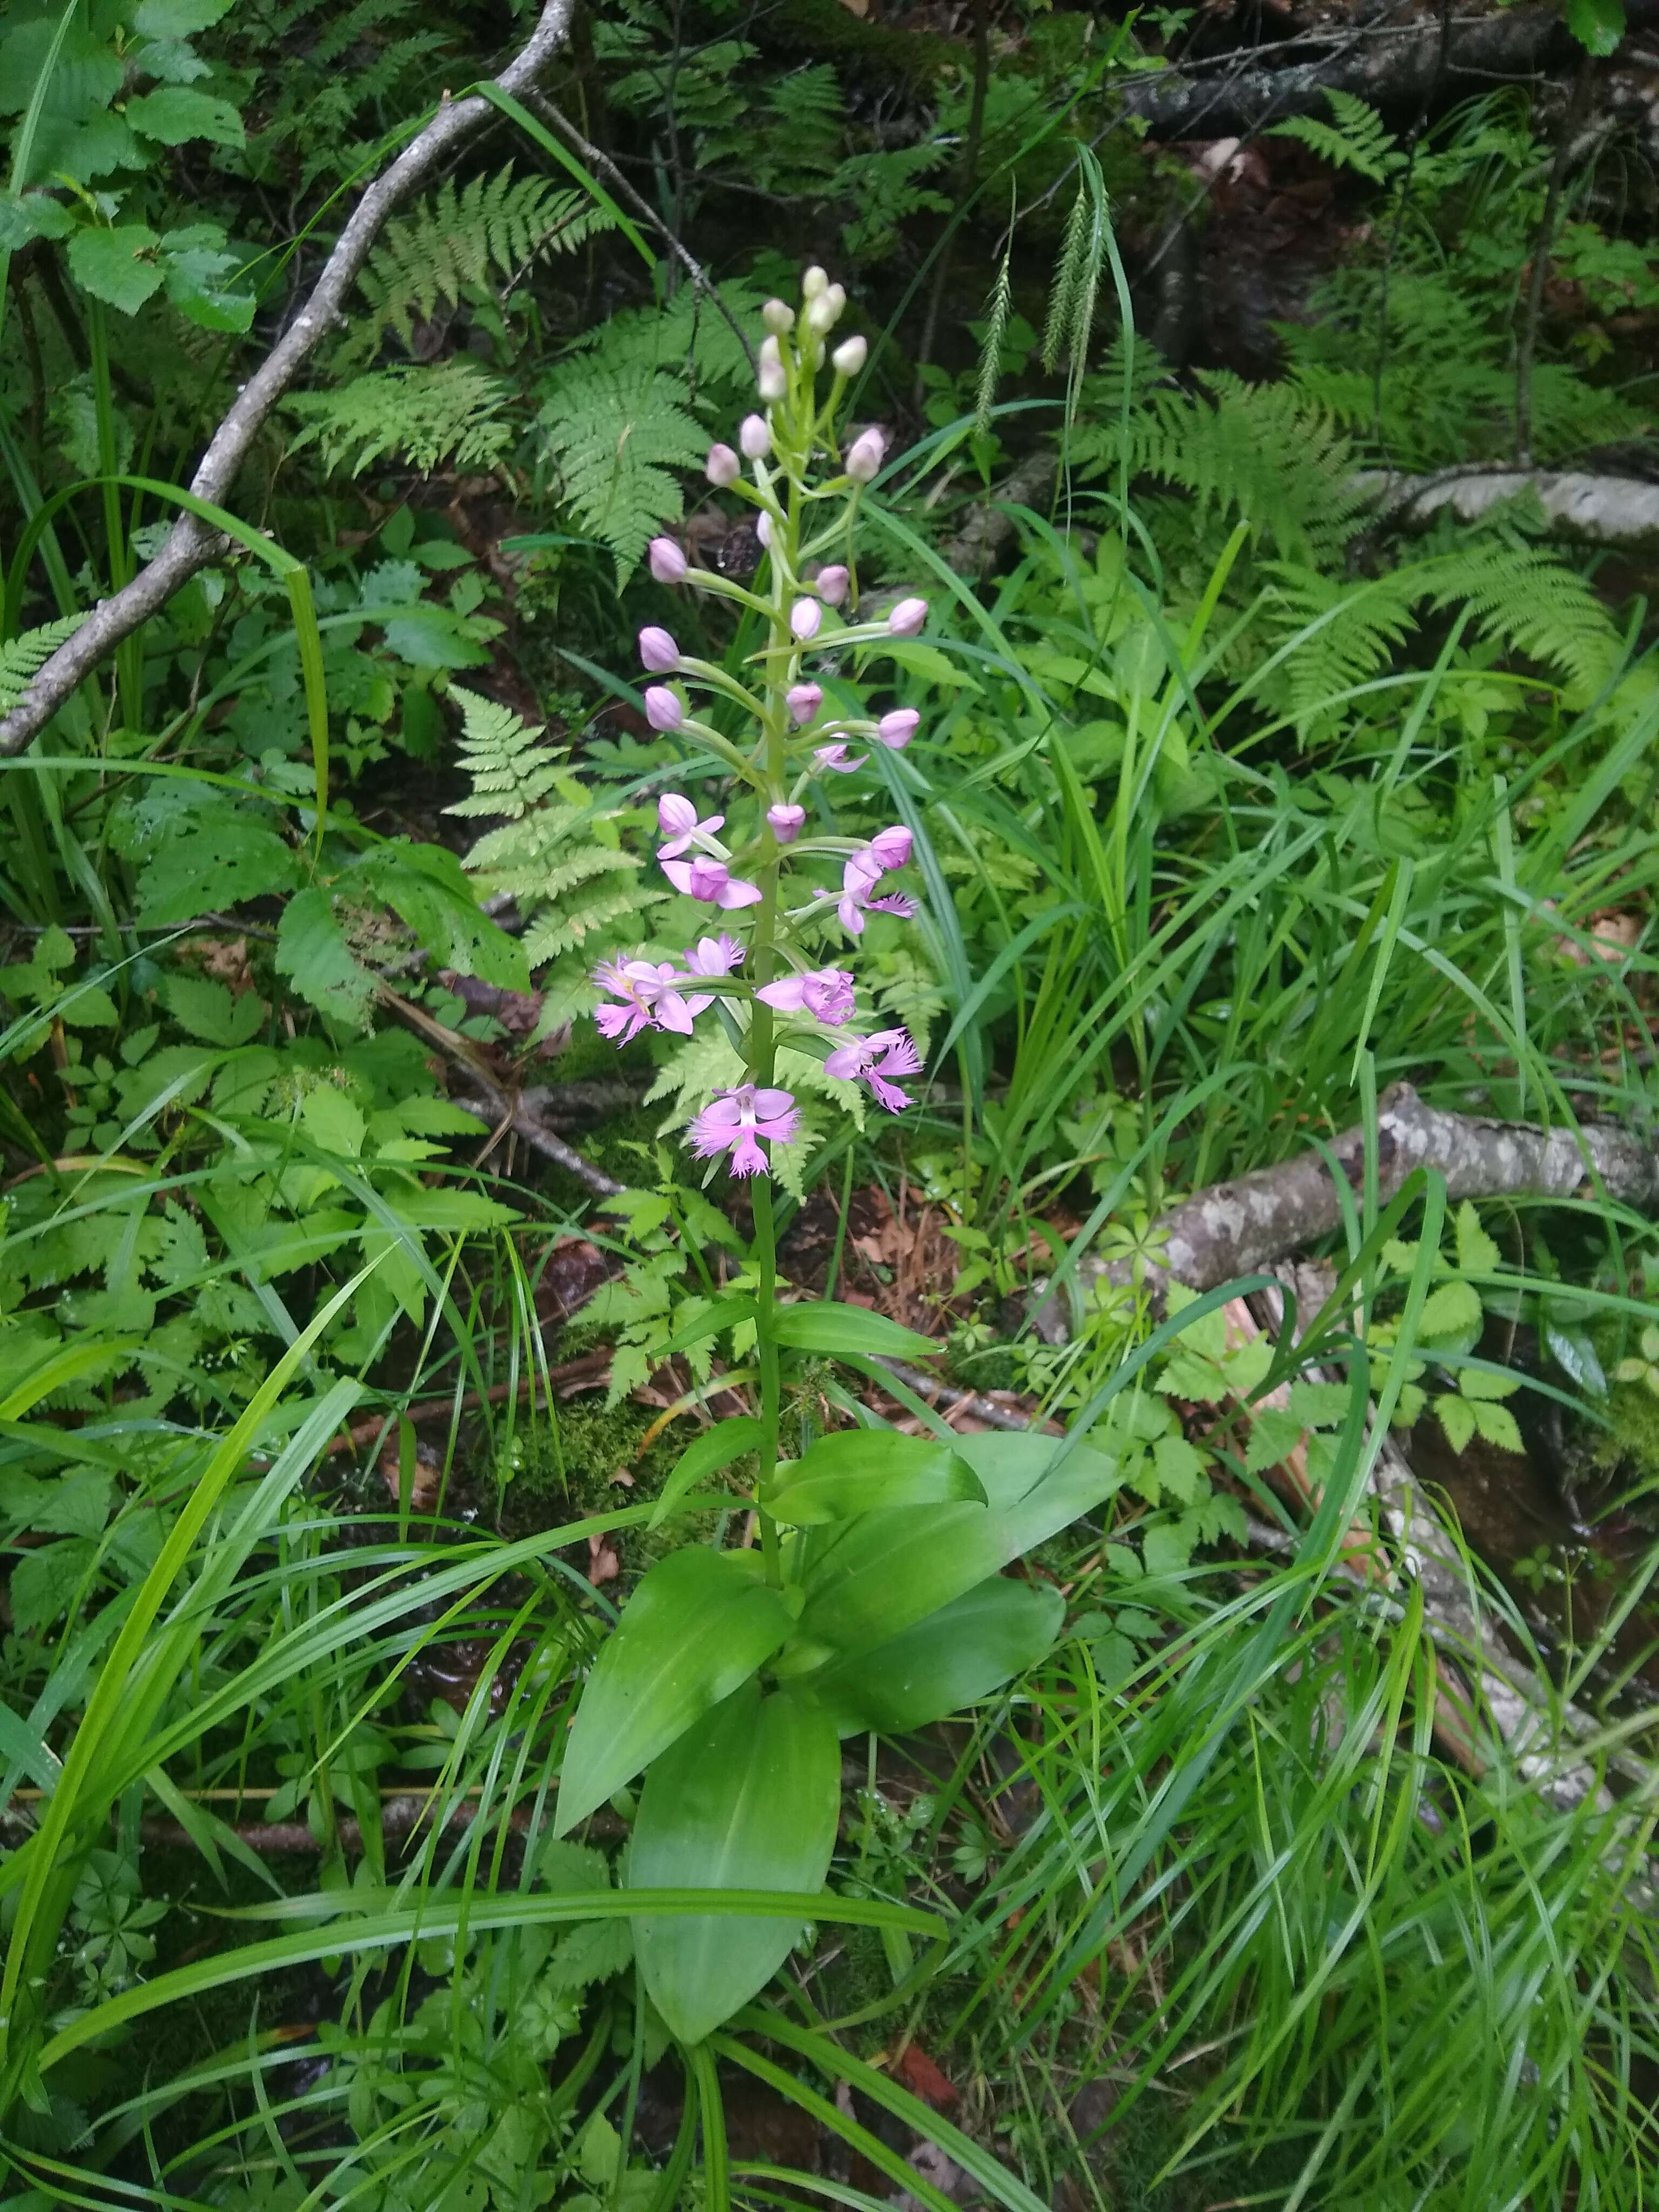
(1360, 139)
(689, 338)
(1526, 599)
(23, 656)
(455, 410)
(512, 770)
(492, 227)
(615, 439)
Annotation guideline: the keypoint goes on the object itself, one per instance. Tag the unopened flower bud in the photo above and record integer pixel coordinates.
(786, 823)
(826, 310)
(830, 584)
(771, 383)
(804, 699)
(814, 281)
(805, 615)
(863, 462)
(779, 317)
(658, 650)
(763, 530)
(850, 355)
(663, 709)
(895, 730)
(891, 847)
(722, 467)
(754, 437)
(667, 562)
(907, 617)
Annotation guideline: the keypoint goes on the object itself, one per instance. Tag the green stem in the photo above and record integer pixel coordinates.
(129, 663)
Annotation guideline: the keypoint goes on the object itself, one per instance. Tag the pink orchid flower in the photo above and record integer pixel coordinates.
(873, 1059)
(650, 997)
(739, 1122)
(701, 877)
(715, 956)
(825, 993)
(834, 757)
(676, 818)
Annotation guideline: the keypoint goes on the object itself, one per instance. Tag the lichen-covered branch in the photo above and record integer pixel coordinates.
(1601, 510)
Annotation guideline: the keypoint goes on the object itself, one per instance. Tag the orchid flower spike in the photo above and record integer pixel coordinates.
(740, 1121)
(875, 1060)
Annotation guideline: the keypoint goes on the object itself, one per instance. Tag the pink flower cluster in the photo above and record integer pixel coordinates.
(640, 994)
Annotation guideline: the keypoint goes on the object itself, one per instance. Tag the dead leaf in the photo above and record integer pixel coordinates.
(603, 1565)
(926, 2078)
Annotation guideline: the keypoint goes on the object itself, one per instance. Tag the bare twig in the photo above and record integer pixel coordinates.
(191, 545)
(968, 1401)
(1566, 146)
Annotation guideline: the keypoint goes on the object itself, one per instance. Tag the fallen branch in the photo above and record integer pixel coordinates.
(1237, 1228)
(1395, 66)
(970, 1402)
(191, 545)
(1601, 510)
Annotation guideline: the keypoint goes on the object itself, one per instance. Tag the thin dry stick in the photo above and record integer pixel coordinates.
(191, 545)
(1543, 247)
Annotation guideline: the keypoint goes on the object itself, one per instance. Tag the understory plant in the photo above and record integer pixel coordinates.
(873, 1599)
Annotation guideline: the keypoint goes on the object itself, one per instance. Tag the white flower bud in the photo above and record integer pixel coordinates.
(850, 355)
(722, 467)
(754, 437)
(814, 281)
(825, 311)
(779, 317)
(771, 383)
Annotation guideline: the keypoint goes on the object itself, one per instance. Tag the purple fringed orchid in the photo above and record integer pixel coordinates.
(701, 877)
(740, 1121)
(873, 1060)
(888, 850)
(651, 999)
(826, 994)
(678, 819)
(834, 757)
(715, 956)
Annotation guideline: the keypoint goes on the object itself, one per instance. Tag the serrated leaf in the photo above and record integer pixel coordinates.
(1166, 1547)
(1453, 1310)
(1477, 1252)
(1598, 25)
(1274, 1437)
(1498, 1426)
(1456, 1417)
(1487, 1382)
(312, 951)
(117, 266)
(177, 114)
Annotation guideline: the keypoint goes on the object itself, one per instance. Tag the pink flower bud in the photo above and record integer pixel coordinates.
(891, 847)
(864, 456)
(786, 823)
(814, 281)
(676, 816)
(658, 650)
(830, 584)
(803, 619)
(907, 617)
(667, 562)
(779, 317)
(663, 709)
(895, 730)
(770, 377)
(722, 467)
(754, 437)
(763, 530)
(804, 699)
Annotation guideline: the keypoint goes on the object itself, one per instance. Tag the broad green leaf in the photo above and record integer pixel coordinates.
(699, 1623)
(953, 1658)
(891, 1569)
(177, 19)
(828, 1326)
(312, 949)
(749, 1798)
(175, 114)
(715, 1448)
(859, 1470)
(200, 276)
(117, 266)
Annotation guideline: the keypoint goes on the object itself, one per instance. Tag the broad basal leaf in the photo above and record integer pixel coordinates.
(698, 1626)
(747, 1799)
(859, 1470)
(953, 1658)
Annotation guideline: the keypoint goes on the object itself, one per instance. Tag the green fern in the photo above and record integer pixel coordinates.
(690, 338)
(23, 656)
(492, 227)
(555, 853)
(1359, 140)
(615, 440)
(453, 411)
